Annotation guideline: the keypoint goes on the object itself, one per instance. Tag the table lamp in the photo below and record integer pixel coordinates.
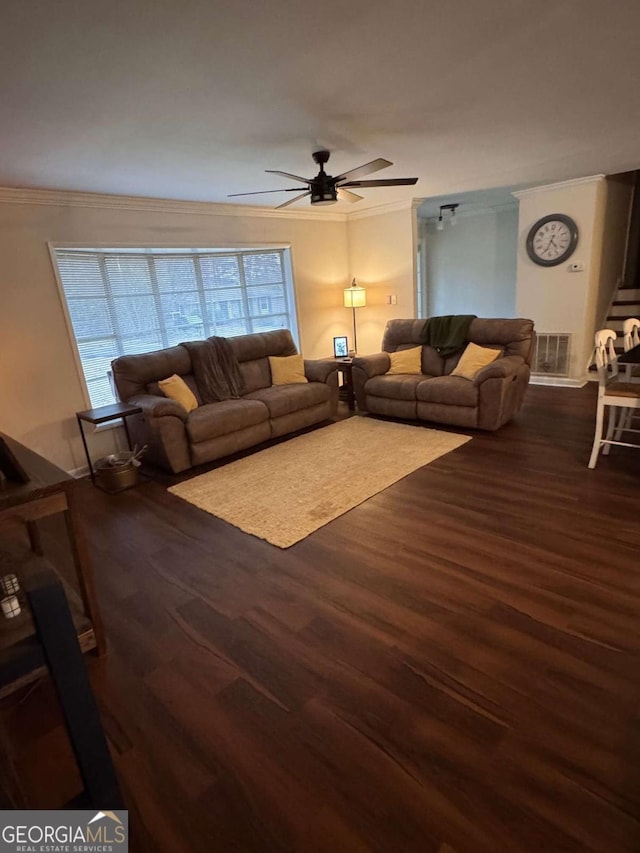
(355, 297)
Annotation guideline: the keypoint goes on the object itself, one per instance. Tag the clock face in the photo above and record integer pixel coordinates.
(552, 240)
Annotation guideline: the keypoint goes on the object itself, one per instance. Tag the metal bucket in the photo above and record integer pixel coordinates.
(117, 472)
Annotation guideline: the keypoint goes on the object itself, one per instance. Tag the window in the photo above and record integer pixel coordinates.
(123, 301)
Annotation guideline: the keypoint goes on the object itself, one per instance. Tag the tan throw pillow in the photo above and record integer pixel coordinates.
(406, 361)
(177, 389)
(473, 359)
(287, 370)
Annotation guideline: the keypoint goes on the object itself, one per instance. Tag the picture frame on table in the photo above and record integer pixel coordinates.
(341, 346)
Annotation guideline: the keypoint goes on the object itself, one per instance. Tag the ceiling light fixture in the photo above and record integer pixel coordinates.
(452, 218)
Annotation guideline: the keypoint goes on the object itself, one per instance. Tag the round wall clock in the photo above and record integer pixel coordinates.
(552, 240)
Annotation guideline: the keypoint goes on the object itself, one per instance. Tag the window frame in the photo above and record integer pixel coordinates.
(291, 294)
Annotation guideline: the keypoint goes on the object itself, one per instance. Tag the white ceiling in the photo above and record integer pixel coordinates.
(193, 99)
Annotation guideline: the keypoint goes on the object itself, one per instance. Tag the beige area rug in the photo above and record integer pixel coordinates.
(284, 493)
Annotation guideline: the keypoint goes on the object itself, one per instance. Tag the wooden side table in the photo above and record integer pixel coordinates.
(102, 415)
(345, 366)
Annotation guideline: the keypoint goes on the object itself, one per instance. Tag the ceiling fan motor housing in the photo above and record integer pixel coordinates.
(323, 190)
(322, 187)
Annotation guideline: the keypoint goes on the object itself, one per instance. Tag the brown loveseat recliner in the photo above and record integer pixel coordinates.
(177, 440)
(488, 401)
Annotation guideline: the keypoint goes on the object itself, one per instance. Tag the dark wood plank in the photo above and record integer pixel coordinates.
(451, 666)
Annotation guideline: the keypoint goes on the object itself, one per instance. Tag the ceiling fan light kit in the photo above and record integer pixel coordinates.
(327, 189)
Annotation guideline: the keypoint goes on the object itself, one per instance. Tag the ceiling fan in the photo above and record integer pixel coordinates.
(325, 189)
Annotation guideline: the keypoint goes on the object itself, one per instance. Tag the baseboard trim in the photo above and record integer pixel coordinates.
(559, 381)
(79, 473)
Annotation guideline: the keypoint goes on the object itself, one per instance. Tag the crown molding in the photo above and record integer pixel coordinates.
(380, 209)
(67, 198)
(574, 182)
(105, 201)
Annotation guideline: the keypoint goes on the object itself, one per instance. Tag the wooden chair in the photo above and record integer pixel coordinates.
(620, 397)
(631, 332)
(631, 335)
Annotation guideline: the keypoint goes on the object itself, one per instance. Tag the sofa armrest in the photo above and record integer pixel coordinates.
(499, 369)
(372, 365)
(364, 367)
(320, 370)
(162, 427)
(154, 406)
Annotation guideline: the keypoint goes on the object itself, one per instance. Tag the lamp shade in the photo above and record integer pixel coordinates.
(355, 297)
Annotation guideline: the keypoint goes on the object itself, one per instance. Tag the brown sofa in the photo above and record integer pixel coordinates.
(177, 440)
(488, 401)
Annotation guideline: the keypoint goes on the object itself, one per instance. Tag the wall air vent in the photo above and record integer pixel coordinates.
(552, 354)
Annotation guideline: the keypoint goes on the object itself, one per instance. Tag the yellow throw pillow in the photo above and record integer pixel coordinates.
(287, 370)
(473, 359)
(406, 361)
(176, 388)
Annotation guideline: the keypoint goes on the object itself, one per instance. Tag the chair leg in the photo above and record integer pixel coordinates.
(624, 422)
(628, 424)
(613, 417)
(597, 438)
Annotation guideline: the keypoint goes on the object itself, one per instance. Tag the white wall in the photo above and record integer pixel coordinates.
(555, 298)
(471, 268)
(382, 258)
(40, 389)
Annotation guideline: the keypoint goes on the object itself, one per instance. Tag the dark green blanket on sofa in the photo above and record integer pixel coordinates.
(446, 334)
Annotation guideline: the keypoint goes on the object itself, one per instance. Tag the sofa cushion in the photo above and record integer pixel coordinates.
(432, 362)
(189, 380)
(453, 390)
(177, 389)
(256, 374)
(253, 351)
(398, 387)
(225, 416)
(284, 399)
(405, 361)
(473, 359)
(287, 370)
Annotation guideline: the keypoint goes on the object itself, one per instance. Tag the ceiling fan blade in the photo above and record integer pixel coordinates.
(345, 195)
(288, 175)
(385, 182)
(262, 192)
(292, 200)
(367, 169)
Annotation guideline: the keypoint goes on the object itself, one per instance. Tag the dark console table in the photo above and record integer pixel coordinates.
(49, 491)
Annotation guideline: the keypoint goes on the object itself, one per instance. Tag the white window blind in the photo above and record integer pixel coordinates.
(125, 302)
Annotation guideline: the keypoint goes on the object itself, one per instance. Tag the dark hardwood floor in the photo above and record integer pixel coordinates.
(451, 666)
